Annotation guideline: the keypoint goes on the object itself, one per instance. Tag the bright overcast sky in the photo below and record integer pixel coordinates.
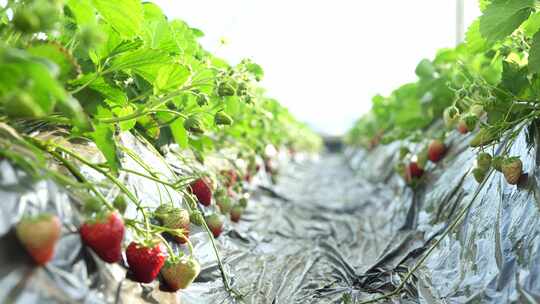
(325, 59)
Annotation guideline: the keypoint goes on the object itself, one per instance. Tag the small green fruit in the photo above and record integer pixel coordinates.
(194, 125)
(226, 89)
(196, 218)
(483, 160)
(26, 21)
(22, 105)
(497, 162)
(221, 118)
(203, 99)
(479, 174)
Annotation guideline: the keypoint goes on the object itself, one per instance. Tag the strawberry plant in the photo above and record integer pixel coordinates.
(83, 74)
(487, 86)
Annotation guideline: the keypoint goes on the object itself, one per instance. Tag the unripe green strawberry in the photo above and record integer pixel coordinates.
(120, 203)
(403, 152)
(483, 160)
(162, 211)
(450, 116)
(22, 105)
(221, 118)
(401, 169)
(180, 273)
(194, 125)
(471, 121)
(512, 169)
(484, 137)
(178, 219)
(477, 110)
(196, 218)
(90, 36)
(224, 204)
(47, 13)
(242, 89)
(26, 20)
(422, 158)
(248, 99)
(497, 162)
(226, 89)
(203, 99)
(92, 205)
(479, 174)
(243, 202)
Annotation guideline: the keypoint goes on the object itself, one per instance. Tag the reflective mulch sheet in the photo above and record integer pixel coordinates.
(342, 229)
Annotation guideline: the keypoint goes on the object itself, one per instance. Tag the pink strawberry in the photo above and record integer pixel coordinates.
(436, 150)
(201, 189)
(248, 177)
(39, 236)
(462, 127)
(512, 169)
(236, 213)
(104, 235)
(215, 223)
(145, 261)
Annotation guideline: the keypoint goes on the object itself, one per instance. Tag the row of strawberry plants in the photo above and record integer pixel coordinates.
(84, 72)
(488, 85)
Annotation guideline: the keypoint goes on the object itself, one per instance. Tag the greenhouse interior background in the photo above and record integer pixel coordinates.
(253, 152)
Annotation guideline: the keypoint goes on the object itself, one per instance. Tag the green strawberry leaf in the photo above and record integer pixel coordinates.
(534, 54)
(501, 18)
(125, 16)
(103, 137)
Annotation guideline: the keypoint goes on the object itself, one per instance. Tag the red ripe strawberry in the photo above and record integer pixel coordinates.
(145, 262)
(413, 171)
(436, 150)
(512, 169)
(180, 273)
(203, 192)
(462, 127)
(230, 177)
(236, 213)
(215, 223)
(178, 219)
(104, 235)
(39, 236)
